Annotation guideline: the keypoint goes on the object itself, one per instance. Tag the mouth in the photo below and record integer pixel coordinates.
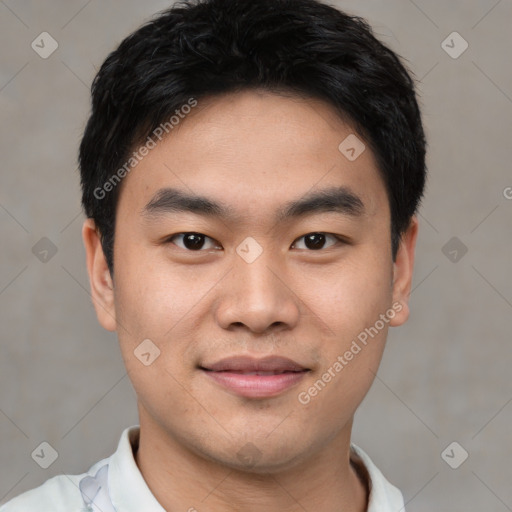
(255, 378)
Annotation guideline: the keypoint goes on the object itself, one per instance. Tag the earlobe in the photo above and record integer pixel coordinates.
(402, 273)
(102, 286)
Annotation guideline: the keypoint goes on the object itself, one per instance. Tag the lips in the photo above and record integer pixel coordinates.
(271, 365)
(253, 378)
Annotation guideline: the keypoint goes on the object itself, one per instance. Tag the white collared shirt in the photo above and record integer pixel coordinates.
(120, 487)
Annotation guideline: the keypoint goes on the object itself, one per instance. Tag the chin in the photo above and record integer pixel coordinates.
(260, 457)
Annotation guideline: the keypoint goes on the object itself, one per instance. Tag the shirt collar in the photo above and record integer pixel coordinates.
(129, 491)
(384, 497)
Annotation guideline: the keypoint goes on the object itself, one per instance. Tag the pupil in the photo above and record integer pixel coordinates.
(193, 241)
(312, 244)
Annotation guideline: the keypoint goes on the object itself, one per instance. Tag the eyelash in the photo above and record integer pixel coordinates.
(339, 239)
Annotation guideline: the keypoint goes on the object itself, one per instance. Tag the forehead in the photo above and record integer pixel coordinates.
(255, 150)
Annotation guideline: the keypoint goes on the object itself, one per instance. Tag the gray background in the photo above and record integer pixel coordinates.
(445, 374)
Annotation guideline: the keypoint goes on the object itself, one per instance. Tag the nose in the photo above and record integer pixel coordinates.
(256, 296)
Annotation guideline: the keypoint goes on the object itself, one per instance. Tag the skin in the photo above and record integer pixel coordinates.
(254, 151)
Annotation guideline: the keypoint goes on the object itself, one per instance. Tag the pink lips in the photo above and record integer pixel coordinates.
(256, 378)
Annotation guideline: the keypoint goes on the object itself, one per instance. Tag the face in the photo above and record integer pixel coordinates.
(290, 256)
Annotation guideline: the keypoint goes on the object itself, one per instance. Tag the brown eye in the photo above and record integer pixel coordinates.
(192, 241)
(316, 241)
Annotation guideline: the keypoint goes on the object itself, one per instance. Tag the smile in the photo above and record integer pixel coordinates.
(258, 384)
(252, 377)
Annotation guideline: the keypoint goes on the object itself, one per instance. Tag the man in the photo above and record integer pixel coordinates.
(250, 174)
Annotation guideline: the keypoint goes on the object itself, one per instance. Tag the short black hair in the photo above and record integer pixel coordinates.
(204, 48)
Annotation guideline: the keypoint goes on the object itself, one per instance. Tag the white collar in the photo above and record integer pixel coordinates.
(384, 496)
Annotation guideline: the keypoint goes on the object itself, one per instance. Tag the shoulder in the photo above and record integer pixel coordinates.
(77, 493)
(60, 493)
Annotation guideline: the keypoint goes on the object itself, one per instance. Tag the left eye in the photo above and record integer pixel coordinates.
(316, 241)
(193, 241)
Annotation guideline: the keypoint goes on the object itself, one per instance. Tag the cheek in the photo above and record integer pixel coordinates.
(152, 297)
(163, 304)
(349, 298)
(351, 303)
(352, 307)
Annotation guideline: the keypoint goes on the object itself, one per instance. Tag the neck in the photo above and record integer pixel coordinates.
(183, 479)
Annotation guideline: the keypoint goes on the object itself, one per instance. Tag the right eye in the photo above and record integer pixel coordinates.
(191, 241)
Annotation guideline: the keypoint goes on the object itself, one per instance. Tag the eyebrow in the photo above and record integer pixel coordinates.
(340, 200)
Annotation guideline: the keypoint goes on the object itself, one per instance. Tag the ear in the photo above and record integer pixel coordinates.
(102, 286)
(402, 272)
